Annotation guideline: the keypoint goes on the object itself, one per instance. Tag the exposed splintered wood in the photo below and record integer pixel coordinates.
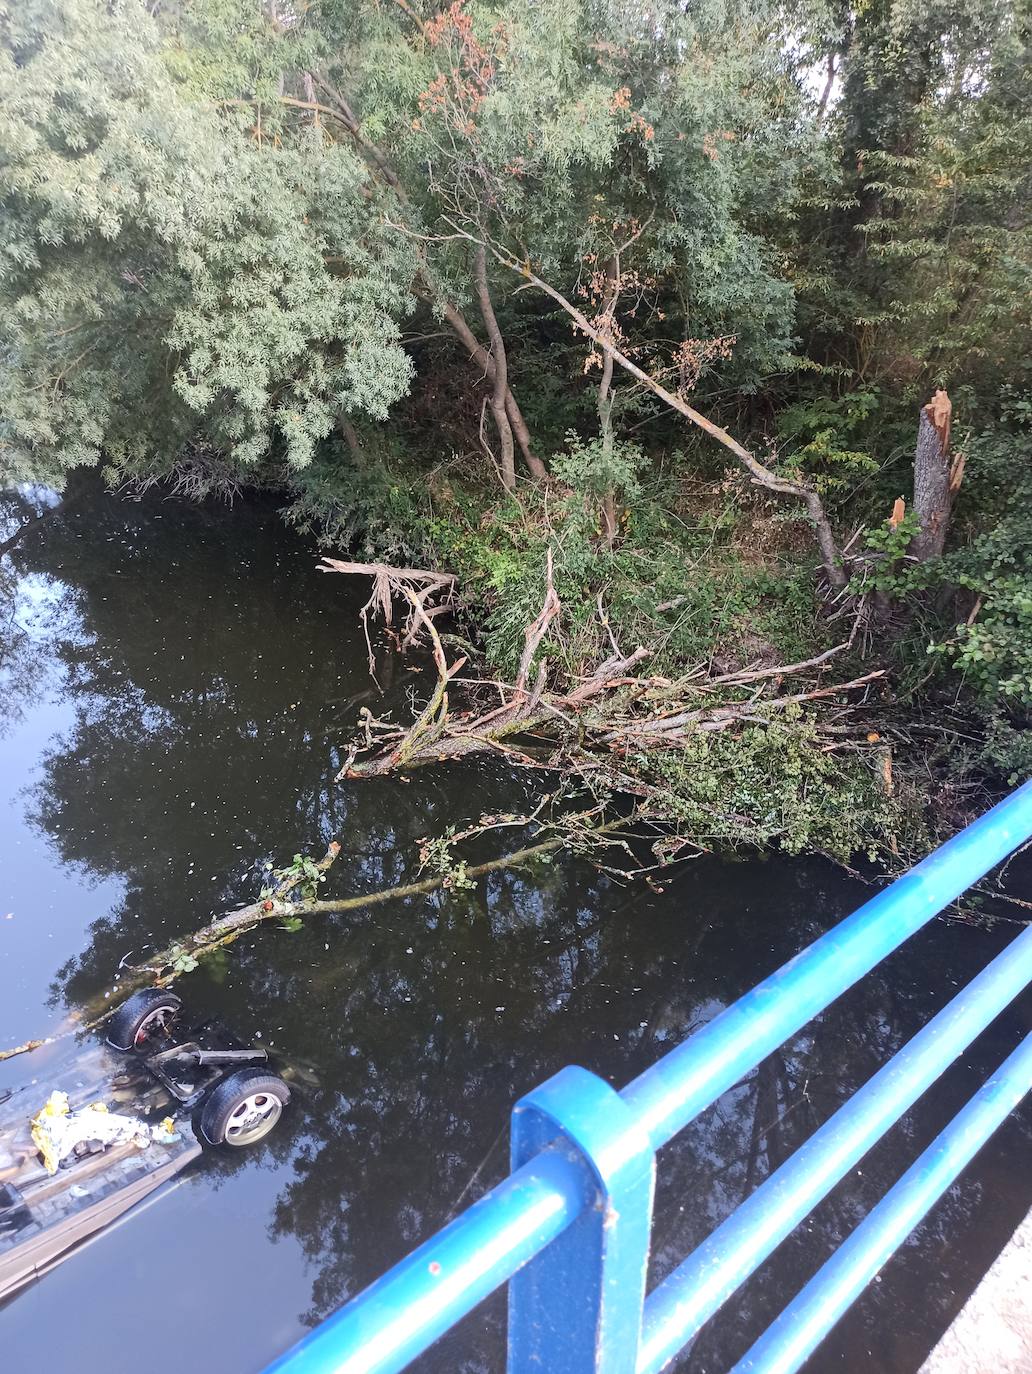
(933, 478)
(611, 708)
(433, 719)
(537, 629)
(418, 586)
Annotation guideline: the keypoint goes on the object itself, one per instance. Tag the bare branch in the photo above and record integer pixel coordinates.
(389, 582)
(761, 474)
(535, 632)
(717, 718)
(783, 670)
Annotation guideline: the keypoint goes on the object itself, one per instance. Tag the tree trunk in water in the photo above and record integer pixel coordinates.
(507, 458)
(932, 493)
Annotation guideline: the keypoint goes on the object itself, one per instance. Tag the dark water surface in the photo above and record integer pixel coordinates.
(175, 685)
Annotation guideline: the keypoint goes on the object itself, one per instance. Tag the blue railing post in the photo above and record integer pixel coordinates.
(578, 1306)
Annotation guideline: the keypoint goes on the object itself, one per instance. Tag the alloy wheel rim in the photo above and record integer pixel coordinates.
(253, 1118)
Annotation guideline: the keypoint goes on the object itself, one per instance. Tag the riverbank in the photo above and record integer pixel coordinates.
(697, 663)
(737, 719)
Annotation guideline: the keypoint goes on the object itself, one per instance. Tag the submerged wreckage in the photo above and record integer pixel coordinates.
(72, 1166)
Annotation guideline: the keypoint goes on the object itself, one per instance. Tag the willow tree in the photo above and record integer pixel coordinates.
(175, 294)
(550, 128)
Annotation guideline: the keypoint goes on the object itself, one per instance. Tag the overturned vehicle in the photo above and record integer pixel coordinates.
(72, 1165)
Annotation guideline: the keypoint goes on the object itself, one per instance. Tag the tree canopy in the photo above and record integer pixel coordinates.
(653, 288)
(173, 290)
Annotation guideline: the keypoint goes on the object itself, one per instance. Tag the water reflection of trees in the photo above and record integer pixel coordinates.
(20, 658)
(422, 1093)
(209, 670)
(208, 674)
(25, 610)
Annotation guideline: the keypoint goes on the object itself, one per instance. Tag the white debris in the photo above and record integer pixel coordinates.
(58, 1132)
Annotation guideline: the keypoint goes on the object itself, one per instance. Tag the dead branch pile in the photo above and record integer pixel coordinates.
(419, 586)
(613, 708)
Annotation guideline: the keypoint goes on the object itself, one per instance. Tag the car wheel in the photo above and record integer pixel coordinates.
(142, 1017)
(244, 1108)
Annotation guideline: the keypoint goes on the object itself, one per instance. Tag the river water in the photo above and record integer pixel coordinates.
(176, 686)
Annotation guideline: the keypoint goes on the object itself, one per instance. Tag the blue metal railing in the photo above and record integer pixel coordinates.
(569, 1228)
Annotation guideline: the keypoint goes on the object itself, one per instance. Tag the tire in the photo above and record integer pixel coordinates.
(141, 1016)
(244, 1108)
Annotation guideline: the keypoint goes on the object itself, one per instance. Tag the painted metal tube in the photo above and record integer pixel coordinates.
(676, 1310)
(397, 1317)
(691, 1077)
(406, 1310)
(801, 1327)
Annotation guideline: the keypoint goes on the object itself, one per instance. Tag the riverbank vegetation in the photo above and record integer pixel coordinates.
(690, 342)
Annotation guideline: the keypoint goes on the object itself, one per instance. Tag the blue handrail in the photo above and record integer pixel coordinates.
(791, 1339)
(570, 1225)
(698, 1287)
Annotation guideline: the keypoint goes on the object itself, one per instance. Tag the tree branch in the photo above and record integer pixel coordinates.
(535, 632)
(501, 369)
(761, 475)
(160, 970)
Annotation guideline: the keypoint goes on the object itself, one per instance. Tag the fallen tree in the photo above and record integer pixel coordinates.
(294, 897)
(612, 708)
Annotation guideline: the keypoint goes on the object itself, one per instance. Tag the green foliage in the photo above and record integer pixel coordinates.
(955, 231)
(993, 648)
(774, 784)
(822, 432)
(217, 219)
(378, 507)
(181, 960)
(301, 873)
(1008, 749)
(436, 854)
(166, 285)
(914, 247)
(884, 568)
(891, 541)
(995, 653)
(692, 583)
(595, 468)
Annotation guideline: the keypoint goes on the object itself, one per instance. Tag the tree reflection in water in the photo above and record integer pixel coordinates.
(27, 611)
(213, 677)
